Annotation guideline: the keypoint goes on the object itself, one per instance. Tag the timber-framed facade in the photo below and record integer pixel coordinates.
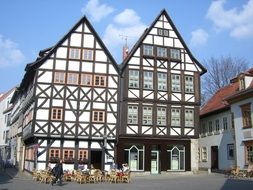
(76, 104)
(161, 99)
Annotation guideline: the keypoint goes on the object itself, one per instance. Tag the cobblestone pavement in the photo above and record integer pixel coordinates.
(13, 180)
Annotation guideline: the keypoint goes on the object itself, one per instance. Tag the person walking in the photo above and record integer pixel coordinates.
(58, 173)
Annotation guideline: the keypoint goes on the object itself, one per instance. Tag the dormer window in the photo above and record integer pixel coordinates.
(241, 83)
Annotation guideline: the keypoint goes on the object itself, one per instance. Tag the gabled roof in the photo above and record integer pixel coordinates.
(45, 54)
(245, 93)
(217, 102)
(220, 100)
(7, 94)
(138, 43)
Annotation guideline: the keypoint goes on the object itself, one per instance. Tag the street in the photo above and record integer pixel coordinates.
(203, 181)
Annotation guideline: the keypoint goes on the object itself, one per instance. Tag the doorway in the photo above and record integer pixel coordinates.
(154, 162)
(96, 158)
(214, 157)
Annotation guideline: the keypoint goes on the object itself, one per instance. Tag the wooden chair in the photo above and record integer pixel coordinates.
(113, 177)
(126, 178)
(36, 175)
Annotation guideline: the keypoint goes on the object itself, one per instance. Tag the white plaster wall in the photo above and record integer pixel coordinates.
(194, 155)
(60, 65)
(221, 140)
(42, 114)
(73, 66)
(48, 64)
(236, 109)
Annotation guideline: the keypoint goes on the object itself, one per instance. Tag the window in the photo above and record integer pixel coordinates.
(162, 32)
(87, 54)
(176, 157)
(230, 151)
(189, 84)
(246, 116)
(68, 155)
(161, 52)
(148, 80)
(166, 32)
(225, 123)
(161, 116)
(98, 116)
(59, 77)
(162, 81)
(133, 79)
(203, 128)
(217, 125)
(147, 116)
(72, 78)
(204, 154)
(210, 127)
(241, 83)
(99, 80)
(54, 154)
(175, 116)
(134, 156)
(86, 79)
(248, 154)
(56, 114)
(74, 53)
(148, 50)
(82, 155)
(189, 118)
(132, 114)
(175, 54)
(175, 83)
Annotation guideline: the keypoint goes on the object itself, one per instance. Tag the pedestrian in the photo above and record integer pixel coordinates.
(58, 173)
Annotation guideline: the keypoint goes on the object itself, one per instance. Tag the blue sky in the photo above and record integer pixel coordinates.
(209, 28)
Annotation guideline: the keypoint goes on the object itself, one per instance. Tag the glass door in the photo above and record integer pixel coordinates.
(154, 162)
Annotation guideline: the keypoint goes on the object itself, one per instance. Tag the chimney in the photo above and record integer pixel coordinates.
(125, 51)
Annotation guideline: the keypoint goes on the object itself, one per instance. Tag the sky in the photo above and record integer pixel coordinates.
(209, 28)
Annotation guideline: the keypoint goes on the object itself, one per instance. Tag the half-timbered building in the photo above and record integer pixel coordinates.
(160, 102)
(69, 100)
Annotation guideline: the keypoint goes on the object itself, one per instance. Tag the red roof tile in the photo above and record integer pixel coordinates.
(217, 102)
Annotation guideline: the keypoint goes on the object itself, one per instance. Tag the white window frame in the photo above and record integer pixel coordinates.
(88, 54)
(148, 80)
(162, 81)
(74, 53)
(175, 83)
(175, 116)
(162, 52)
(189, 84)
(175, 54)
(161, 116)
(132, 114)
(133, 79)
(147, 114)
(86, 79)
(189, 117)
(148, 50)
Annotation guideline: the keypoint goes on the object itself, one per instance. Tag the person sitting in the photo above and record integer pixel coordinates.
(125, 167)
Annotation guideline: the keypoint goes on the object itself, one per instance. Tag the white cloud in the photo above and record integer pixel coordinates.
(127, 17)
(127, 23)
(96, 11)
(10, 55)
(199, 37)
(237, 21)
